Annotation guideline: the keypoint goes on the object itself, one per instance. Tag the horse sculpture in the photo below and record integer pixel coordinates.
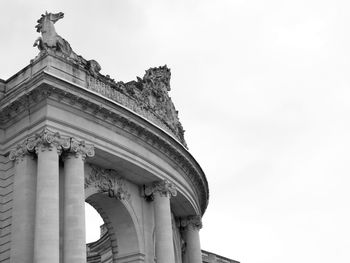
(51, 41)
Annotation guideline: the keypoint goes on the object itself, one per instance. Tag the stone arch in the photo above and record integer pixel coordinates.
(107, 194)
(111, 233)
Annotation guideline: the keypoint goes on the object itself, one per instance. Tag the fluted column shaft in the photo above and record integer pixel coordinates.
(46, 242)
(23, 211)
(74, 248)
(164, 246)
(191, 227)
(163, 229)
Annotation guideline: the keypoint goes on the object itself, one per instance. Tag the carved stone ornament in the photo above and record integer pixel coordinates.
(148, 96)
(194, 222)
(49, 140)
(163, 188)
(107, 181)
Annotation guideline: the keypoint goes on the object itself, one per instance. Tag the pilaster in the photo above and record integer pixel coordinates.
(23, 211)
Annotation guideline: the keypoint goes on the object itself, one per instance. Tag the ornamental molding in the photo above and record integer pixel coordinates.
(162, 143)
(107, 181)
(163, 188)
(191, 222)
(49, 140)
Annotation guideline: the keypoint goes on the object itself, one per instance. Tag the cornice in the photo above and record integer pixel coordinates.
(112, 113)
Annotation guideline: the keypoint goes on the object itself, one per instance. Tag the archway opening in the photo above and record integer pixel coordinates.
(98, 243)
(93, 223)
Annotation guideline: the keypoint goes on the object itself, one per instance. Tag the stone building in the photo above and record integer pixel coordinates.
(70, 135)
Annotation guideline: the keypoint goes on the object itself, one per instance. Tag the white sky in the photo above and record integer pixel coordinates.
(262, 88)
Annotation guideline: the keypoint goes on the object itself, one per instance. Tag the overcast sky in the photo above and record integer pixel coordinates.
(262, 89)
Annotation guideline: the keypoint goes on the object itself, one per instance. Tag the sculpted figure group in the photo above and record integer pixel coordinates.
(149, 93)
(51, 41)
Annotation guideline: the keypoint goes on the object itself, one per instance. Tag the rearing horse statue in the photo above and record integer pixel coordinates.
(50, 40)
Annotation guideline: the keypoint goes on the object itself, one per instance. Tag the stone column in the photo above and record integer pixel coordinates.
(48, 146)
(74, 248)
(23, 211)
(191, 226)
(164, 246)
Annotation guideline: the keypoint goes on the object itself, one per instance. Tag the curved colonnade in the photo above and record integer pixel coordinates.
(71, 144)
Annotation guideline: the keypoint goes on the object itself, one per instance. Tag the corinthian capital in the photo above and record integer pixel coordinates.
(163, 188)
(19, 152)
(193, 222)
(80, 148)
(46, 140)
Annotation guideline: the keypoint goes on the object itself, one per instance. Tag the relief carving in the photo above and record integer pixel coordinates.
(107, 181)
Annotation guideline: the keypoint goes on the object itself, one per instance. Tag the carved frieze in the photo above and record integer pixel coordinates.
(163, 188)
(107, 181)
